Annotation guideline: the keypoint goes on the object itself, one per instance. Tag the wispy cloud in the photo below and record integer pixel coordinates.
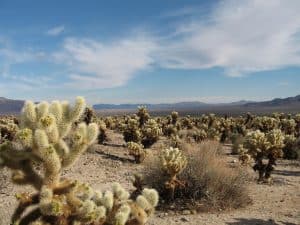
(94, 64)
(240, 36)
(55, 31)
(11, 56)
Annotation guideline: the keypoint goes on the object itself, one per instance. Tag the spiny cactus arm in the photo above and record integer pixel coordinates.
(65, 115)
(48, 205)
(82, 138)
(152, 196)
(122, 215)
(42, 109)
(144, 205)
(142, 202)
(119, 192)
(62, 148)
(75, 112)
(73, 201)
(60, 112)
(28, 116)
(49, 157)
(108, 200)
(48, 124)
(56, 110)
(87, 213)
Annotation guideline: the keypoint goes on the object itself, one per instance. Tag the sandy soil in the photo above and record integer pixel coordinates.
(102, 165)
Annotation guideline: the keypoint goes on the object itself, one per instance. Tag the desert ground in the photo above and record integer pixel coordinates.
(102, 165)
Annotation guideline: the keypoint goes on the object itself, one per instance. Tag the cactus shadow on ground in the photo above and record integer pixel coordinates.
(114, 157)
(114, 145)
(243, 221)
(287, 173)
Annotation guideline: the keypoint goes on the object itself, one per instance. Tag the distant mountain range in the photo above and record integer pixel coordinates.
(277, 102)
(9, 106)
(174, 106)
(291, 104)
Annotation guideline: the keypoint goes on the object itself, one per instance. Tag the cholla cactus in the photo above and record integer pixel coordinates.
(245, 158)
(265, 123)
(174, 117)
(150, 132)
(102, 132)
(88, 115)
(175, 141)
(187, 122)
(297, 120)
(131, 131)
(41, 140)
(213, 133)
(199, 135)
(170, 130)
(173, 163)
(143, 115)
(110, 123)
(225, 128)
(288, 126)
(8, 128)
(260, 146)
(137, 151)
(291, 149)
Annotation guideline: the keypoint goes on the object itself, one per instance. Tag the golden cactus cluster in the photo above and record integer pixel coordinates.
(50, 137)
(137, 151)
(173, 161)
(8, 128)
(150, 132)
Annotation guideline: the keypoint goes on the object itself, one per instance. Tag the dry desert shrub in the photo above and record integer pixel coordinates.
(208, 182)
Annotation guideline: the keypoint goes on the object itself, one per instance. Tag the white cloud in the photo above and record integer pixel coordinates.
(55, 31)
(93, 64)
(10, 56)
(240, 36)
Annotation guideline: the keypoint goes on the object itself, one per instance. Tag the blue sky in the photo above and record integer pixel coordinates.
(149, 51)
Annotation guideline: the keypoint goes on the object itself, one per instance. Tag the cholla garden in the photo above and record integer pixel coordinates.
(50, 139)
(181, 159)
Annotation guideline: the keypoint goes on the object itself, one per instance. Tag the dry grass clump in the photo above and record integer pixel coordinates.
(209, 184)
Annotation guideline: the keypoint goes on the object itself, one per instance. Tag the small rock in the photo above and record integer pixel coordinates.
(184, 219)
(186, 212)
(194, 212)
